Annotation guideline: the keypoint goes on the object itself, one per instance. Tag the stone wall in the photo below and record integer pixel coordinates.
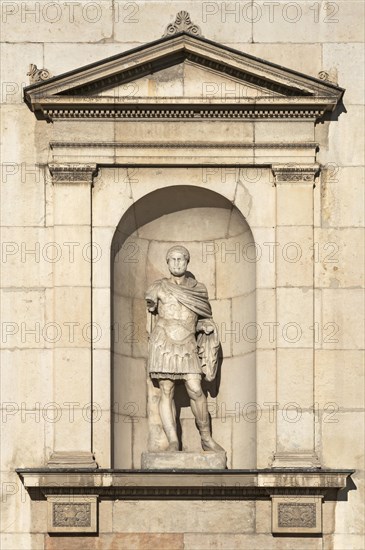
(308, 37)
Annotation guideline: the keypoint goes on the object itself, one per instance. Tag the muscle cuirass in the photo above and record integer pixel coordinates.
(178, 321)
(173, 346)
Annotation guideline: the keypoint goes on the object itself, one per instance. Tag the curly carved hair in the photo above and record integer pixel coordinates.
(178, 248)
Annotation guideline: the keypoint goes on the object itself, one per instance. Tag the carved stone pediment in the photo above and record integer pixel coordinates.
(182, 76)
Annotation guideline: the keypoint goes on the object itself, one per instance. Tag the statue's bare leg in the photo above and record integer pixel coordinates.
(199, 406)
(168, 412)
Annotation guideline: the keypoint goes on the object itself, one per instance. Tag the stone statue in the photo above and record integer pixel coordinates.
(183, 344)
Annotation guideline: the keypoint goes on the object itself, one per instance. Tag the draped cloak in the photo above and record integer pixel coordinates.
(169, 357)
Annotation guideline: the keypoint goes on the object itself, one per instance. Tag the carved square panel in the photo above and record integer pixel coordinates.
(296, 514)
(72, 514)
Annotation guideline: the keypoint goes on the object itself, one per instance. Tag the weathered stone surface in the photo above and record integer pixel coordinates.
(348, 59)
(338, 258)
(350, 521)
(295, 317)
(229, 541)
(339, 378)
(117, 541)
(28, 369)
(48, 23)
(237, 382)
(146, 16)
(342, 197)
(338, 430)
(294, 365)
(183, 461)
(244, 328)
(9, 541)
(85, 53)
(234, 268)
(345, 152)
(341, 540)
(27, 424)
(130, 377)
(294, 434)
(253, 185)
(300, 57)
(265, 239)
(294, 204)
(343, 329)
(190, 516)
(123, 426)
(298, 23)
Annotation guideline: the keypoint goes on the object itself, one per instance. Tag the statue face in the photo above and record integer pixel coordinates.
(177, 264)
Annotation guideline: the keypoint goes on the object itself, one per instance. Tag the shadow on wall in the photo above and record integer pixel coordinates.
(215, 233)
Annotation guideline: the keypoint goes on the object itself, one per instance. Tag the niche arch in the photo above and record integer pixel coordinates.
(221, 245)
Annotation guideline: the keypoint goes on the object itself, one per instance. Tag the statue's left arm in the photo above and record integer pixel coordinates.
(208, 343)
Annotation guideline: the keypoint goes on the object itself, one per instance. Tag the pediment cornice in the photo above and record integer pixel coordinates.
(287, 93)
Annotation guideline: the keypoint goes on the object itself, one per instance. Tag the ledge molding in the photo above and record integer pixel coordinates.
(217, 484)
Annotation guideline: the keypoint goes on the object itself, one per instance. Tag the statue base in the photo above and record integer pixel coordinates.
(181, 460)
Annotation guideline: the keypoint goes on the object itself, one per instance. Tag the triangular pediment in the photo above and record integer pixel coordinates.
(186, 80)
(181, 72)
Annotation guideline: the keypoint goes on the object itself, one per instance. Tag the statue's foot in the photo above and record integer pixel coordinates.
(173, 446)
(208, 444)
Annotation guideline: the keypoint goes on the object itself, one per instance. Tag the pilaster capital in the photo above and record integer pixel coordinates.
(75, 173)
(295, 173)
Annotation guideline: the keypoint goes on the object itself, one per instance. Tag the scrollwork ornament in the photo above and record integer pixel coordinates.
(37, 75)
(296, 515)
(71, 515)
(328, 76)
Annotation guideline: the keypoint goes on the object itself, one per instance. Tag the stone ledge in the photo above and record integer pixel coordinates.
(209, 484)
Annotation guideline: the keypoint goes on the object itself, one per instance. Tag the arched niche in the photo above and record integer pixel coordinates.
(218, 238)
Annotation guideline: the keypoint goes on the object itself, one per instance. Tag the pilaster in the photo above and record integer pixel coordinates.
(295, 441)
(72, 313)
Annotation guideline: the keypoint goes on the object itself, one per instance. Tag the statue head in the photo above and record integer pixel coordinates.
(177, 259)
(178, 248)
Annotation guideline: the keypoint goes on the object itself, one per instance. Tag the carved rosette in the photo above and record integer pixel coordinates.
(295, 173)
(182, 23)
(73, 173)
